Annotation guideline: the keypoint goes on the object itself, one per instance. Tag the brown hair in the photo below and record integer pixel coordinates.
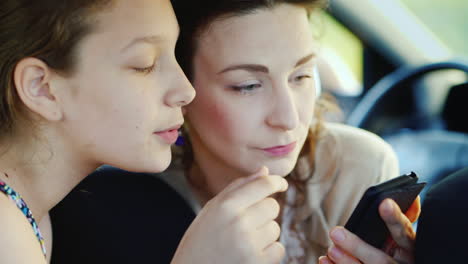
(49, 30)
(194, 17)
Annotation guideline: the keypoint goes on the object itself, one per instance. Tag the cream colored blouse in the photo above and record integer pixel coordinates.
(348, 161)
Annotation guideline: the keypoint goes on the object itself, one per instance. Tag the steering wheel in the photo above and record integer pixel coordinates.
(432, 154)
(362, 113)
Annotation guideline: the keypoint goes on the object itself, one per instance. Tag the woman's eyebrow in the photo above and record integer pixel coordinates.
(262, 68)
(246, 67)
(304, 60)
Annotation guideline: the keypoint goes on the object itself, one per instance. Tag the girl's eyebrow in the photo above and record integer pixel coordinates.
(153, 40)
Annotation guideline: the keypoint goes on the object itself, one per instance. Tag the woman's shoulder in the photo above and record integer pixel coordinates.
(356, 141)
(349, 160)
(356, 154)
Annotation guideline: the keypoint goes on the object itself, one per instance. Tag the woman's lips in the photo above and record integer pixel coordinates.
(278, 151)
(169, 136)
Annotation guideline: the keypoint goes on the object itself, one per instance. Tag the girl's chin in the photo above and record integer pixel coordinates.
(157, 164)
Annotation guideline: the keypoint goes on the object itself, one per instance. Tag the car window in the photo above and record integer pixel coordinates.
(447, 19)
(343, 52)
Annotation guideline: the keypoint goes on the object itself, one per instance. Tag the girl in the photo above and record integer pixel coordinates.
(83, 83)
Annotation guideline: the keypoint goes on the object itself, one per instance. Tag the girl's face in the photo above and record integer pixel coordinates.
(122, 105)
(254, 77)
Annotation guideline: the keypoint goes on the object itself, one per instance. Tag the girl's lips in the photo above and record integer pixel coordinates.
(169, 136)
(278, 151)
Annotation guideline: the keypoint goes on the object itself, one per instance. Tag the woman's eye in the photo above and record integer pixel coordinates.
(246, 87)
(146, 70)
(302, 77)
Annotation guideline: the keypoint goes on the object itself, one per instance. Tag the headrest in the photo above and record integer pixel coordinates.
(455, 106)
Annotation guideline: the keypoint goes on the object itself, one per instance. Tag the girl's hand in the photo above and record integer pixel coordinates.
(348, 248)
(237, 226)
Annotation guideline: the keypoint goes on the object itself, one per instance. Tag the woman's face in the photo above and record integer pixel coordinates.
(254, 77)
(122, 105)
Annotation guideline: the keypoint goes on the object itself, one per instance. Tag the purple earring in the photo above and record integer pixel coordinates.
(180, 139)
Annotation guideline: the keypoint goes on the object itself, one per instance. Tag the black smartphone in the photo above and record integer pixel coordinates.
(365, 221)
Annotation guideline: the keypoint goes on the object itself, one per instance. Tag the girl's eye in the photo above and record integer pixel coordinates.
(146, 70)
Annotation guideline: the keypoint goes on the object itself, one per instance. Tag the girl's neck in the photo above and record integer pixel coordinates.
(41, 173)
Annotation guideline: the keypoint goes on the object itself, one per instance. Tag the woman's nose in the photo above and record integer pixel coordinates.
(284, 114)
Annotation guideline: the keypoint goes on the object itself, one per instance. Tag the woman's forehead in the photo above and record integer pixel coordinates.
(267, 34)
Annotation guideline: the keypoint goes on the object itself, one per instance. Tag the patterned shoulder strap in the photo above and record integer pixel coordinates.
(15, 197)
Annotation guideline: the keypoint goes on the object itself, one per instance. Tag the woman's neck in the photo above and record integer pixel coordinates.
(209, 175)
(41, 172)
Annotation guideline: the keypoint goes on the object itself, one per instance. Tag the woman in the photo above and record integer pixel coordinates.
(252, 64)
(91, 82)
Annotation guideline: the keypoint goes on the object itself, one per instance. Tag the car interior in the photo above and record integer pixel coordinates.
(413, 86)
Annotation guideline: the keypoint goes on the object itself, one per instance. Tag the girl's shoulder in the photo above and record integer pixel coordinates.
(18, 243)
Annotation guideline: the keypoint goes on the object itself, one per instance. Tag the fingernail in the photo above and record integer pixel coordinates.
(285, 185)
(388, 206)
(336, 253)
(338, 234)
(324, 260)
(261, 172)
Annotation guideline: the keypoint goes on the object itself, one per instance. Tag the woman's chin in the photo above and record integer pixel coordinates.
(280, 168)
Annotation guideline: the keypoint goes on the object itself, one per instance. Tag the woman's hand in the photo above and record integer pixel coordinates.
(237, 226)
(348, 248)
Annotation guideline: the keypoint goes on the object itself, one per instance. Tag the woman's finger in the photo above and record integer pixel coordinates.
(398, 224)
(254, 191)
(274, 253)
(352, 245)
(338, 256)
(325, 260)
(262, 212)
(414, 211)
(263, 171)
(268, 234)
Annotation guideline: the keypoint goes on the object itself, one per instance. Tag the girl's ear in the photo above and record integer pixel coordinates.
(32, 79)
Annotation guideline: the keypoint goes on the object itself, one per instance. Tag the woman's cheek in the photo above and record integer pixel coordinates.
(209, 117)
(226, 121)
(306, 108)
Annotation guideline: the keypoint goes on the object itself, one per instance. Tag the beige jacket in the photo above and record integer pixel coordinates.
(348, 161)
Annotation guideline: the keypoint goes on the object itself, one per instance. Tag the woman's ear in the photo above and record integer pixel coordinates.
(32, 79)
